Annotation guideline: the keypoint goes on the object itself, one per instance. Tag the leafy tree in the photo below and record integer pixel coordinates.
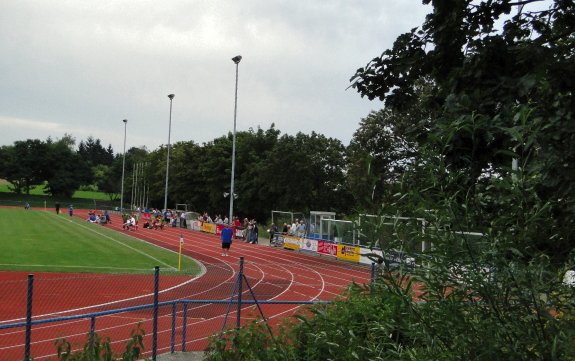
(379, 154)
(23, 164)
(109, 178)
(483, 77)
(66, 170)
(92, 150)
(306, 172)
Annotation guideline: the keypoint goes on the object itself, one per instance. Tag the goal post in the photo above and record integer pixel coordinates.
(181, 207)
(281, 217)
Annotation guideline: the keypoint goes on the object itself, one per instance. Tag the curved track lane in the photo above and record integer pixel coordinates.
(273, 274)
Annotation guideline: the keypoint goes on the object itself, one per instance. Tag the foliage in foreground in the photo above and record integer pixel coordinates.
(98, 349)
(385, 323)
(499, 296)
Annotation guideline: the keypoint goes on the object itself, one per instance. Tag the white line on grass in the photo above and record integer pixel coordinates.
(125, 245)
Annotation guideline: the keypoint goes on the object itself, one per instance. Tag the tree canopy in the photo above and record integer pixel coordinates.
(500, 78)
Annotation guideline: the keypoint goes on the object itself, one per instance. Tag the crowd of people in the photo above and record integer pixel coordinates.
(247, 230)
(101, 218)
(156, 219)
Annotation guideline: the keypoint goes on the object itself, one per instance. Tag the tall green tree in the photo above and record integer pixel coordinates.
(488, 63)
(380, 152)
(24, 164)
(66, 170)
(92, 150)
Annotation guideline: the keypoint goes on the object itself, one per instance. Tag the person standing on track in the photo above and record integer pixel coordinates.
(226, 237)
(71, 211)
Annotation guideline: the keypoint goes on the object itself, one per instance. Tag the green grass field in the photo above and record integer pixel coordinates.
(39, 191)
(44, 241)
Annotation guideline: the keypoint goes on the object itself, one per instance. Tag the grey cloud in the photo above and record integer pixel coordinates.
(87, 65)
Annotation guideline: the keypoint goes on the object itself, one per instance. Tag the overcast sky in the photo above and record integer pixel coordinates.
(80, 67)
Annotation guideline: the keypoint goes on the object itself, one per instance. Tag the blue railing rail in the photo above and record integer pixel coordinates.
(235, 298)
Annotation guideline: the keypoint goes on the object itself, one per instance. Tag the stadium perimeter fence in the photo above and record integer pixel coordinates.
(177, 312)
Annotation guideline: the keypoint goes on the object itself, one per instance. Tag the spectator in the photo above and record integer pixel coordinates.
(183, 223)
(293, 229)
(92, 217)
(272, 231)
(249, 230)
(301, 229)
(131, 224)
(255, 234)
(158, 223)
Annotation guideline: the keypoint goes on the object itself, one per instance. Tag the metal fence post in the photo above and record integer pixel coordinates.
(240, 282)
(184, 327)
(155, 321)
(92, 331)
(29, 317)
(173, 340)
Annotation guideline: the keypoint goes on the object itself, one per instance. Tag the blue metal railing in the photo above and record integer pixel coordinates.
(235, 298)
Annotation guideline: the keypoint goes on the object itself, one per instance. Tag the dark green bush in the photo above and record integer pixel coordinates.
(98, 349)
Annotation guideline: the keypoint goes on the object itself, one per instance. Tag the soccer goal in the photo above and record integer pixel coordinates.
(382, 230)
(281, 217)
(181, 207)
(338, 230)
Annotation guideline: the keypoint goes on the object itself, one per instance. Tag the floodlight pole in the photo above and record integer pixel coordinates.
(123, 167)
(171, 96)
(236, 60)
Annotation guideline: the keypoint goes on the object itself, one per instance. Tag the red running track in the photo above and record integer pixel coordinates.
(274, 274)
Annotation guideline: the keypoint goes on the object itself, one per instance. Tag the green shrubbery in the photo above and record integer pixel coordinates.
(98, 349)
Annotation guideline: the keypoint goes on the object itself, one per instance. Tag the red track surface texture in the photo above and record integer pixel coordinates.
(274, 274)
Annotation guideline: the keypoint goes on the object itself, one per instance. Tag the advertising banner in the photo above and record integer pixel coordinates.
(220, 227)
(278, 240)
(291, 242)
(326, 248)
(364, 252)
(348, 253)
(309, 245)
(197, 225)
(392, 258)
(209, 228)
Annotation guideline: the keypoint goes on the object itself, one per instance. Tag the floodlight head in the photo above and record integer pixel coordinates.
(171, 96)
(237, 59)
(125, 120)
(226, 194)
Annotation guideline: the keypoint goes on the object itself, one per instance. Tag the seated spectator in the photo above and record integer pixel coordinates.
(102, 219)
(131, 224)
(158, 223)
(92, 218)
